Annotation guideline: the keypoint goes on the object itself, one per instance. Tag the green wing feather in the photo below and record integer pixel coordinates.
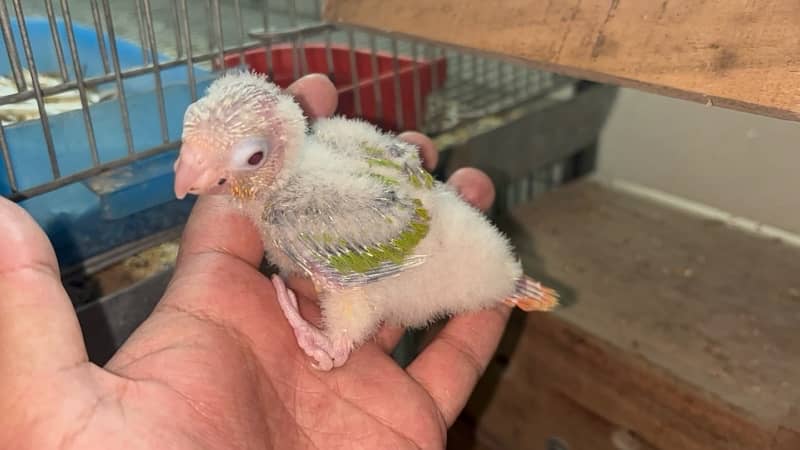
(386, 222)
(392, 254)
(372, 235)
(385, 155)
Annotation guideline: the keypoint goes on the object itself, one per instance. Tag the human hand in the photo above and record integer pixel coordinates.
(216, 365)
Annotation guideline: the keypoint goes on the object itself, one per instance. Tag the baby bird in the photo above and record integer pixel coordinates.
(351, 208)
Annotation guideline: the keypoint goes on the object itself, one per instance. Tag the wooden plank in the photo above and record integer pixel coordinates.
(527, 413)
(741, 55)
(680, 328)
(627, 392)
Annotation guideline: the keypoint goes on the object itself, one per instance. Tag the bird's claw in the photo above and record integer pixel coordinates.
(326, 353)
(340, 351)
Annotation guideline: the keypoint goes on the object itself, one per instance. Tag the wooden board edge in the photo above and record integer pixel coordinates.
(625, 388)
(581, 73)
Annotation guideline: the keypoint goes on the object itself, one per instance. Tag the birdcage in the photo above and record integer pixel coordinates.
(94, 91)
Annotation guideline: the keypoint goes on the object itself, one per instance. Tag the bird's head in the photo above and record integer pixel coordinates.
(238, 137)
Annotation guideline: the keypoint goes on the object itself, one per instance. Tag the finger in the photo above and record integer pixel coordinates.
(316, 94)
(427, 149)
(215, 227)
(451, 365)
(307, 298)
(302, 286)
(474, 186)
(216, 286)
(388, 337)
(39, 330)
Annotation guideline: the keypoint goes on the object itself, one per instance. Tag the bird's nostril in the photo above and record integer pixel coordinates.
(221, 181)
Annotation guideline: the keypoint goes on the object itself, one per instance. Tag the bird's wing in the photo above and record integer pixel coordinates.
(348, 232)
(385, 153)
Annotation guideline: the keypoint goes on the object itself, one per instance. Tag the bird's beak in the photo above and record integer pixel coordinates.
(194, 174)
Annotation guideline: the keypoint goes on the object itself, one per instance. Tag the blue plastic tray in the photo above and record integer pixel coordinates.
(71, 215)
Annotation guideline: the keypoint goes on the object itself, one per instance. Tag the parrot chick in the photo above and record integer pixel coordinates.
(351, 208)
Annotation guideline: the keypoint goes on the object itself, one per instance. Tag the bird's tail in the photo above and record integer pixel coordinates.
(530, 295)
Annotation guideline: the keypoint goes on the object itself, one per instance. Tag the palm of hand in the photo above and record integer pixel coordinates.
(215, 365)
(216, 381)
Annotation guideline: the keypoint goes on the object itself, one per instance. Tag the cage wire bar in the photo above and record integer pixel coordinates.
(175, 34)
(92, 96)
(93, 92)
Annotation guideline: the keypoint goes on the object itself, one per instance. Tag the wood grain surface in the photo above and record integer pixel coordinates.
(679, 328)
(742, 54)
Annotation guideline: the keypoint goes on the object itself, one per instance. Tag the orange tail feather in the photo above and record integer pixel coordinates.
(532, 296)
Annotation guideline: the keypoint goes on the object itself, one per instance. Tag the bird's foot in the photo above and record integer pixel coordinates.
(327, 353)
(340, 352)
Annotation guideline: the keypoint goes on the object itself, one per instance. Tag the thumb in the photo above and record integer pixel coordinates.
(39, 330)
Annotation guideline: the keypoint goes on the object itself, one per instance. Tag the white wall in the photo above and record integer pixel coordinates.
(744, 164)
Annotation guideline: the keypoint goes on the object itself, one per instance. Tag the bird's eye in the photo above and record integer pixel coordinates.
(249, 153)
(255, 158)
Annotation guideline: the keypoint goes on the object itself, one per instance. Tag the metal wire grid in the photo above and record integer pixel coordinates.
(476, 85)
(196, 35)
(539, 182)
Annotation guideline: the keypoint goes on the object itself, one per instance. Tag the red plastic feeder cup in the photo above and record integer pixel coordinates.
(340, 72)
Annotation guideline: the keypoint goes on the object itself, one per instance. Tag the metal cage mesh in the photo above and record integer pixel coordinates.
(92, 95)
(184, 37)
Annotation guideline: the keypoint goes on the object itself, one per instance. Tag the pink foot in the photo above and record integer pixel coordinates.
(327, 354)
